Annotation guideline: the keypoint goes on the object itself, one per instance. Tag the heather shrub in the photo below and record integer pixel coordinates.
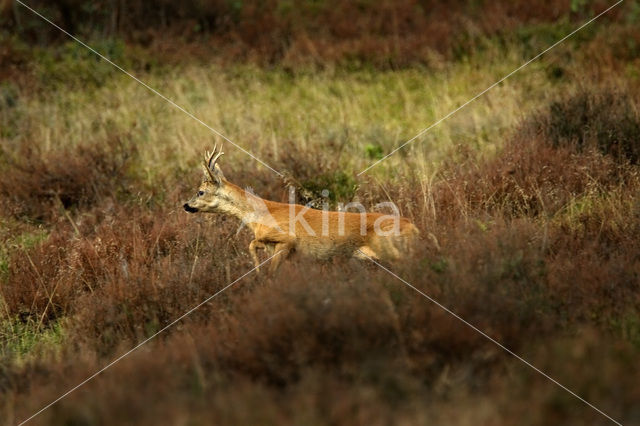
(309, 174)
(387, 34)
(605, 119)
(32, 290)
(528, 211)
(143, 291)
(329, 319)
(37, 184)
(122, 277)
(550, 161)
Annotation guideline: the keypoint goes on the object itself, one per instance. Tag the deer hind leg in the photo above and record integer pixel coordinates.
(366, 253)
(373, 261)
(253, 249)
(282, 251)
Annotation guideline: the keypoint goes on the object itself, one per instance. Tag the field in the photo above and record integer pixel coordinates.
(527, 199)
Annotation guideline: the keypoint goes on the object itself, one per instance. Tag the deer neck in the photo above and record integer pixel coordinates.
(243, 204)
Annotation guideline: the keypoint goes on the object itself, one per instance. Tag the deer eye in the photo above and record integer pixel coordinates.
(200, 193)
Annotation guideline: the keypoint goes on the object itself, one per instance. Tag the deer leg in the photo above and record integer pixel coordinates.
(253, 249)
(366, 253)
(372, 259)
(282, 250)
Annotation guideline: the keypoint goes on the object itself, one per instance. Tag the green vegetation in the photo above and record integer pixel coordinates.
(18, 243)
(20, 341)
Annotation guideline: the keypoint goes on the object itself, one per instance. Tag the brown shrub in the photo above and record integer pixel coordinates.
(582, 145)
(152, 286)
(384, 33)
(316, 178)
(607, 120)
(302, 322)
(117, 274)
(349, 344)
(35, 184)
(341, 341)
(585, 362)
(532, 178)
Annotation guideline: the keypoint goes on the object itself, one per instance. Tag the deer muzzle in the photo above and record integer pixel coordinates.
(189, 209)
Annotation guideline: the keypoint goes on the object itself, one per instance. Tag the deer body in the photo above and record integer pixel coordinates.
(286, 228)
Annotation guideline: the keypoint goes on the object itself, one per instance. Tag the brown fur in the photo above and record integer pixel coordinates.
(320, 234)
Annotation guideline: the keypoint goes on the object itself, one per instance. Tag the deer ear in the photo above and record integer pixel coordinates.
(218, 172)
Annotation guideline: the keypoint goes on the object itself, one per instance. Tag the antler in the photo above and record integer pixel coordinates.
(210, 159)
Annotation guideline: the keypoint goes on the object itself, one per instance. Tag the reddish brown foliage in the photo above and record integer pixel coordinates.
(582, 145)
(35, 185)
(537, 246)
(384, 33)
(118, 273)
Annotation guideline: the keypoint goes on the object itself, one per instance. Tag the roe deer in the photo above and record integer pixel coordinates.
(287, 228)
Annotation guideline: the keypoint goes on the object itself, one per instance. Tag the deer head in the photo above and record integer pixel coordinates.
(211, 190)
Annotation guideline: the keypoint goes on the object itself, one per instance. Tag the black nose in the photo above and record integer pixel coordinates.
(188, 208)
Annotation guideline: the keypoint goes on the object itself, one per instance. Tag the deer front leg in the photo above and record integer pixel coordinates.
(281, 250)
(253, 249)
